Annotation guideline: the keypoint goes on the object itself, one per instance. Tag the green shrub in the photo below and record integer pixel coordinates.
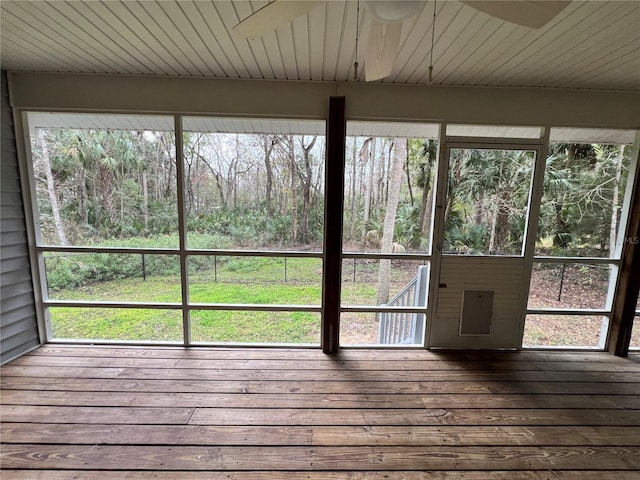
(68, 271)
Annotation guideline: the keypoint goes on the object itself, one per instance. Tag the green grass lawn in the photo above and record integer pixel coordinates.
(142, 324)
(166, 325)
(207, 325)
(222, 280)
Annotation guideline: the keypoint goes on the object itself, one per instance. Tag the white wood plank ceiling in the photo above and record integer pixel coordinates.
(590, 45)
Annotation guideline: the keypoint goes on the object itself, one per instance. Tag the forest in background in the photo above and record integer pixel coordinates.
(96, 187)
(241, 191)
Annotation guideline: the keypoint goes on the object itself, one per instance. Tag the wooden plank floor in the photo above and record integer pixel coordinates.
(71, 412)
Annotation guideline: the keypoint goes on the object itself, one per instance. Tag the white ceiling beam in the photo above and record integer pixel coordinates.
(283, 99)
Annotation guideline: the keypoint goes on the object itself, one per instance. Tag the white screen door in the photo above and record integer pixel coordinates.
(483, 233)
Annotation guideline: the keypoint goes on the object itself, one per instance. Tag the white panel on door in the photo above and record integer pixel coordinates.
(503, 276)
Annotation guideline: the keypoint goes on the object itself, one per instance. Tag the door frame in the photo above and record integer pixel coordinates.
(446, 144)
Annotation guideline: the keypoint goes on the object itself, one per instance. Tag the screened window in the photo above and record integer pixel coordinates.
(585, 186)
(389, 191)
(219, 241)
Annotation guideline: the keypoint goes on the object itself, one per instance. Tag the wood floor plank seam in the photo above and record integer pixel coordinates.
(295, 375)
(303, 475)
(327, 458)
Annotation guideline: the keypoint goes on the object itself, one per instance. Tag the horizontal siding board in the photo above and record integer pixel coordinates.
(10, 186)
(22, 281)
(12, 264)
(14, 250)
(10, 175)
(14, 329)
(19, 313)
(461, 283)
(13, 220)
(7, 139)
(22, 344)
(467, 279)
(16, 287)
(15, 238)
(15, 302)
(6, 145)
(18, 325)
(12, 208)
(12, 224)
(19, 331)
(17, 235)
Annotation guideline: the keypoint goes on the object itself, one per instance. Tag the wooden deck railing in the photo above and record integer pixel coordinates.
(396, 328)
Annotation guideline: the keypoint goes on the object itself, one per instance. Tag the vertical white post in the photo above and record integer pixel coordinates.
(420, 300)
(437, 232)
(531, 230)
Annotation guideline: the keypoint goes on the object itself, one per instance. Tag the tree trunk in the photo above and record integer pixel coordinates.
(502, 224)
(234, 185)
(145, 183)
(396, 167)
(492, 236)
(367, 198)
(157, 170)
(389, 171)
(427, 207)
(294, 189)
(268, 144)
(82, 181)
(121, 207)
(362, 177)
(408, 172)
(380, 199)
(561, 237)
(453, 181)
(189, 159)
(234, 179)
(306, 192)
(169, 170)
(51, 189)
(145, 199)
(614, 203)
(427, 194)
(106, 181)
(195, 181)
(353, 191)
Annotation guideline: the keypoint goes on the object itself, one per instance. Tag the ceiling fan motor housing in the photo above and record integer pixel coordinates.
(394, 11)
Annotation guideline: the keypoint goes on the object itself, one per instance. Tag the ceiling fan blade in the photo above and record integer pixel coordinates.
(528, 13)
(382, 47)
(272, 16)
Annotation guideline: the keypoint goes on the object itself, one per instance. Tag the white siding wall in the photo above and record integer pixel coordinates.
(18, 326)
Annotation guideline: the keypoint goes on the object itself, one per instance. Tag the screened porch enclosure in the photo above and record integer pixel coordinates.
(192, 230)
